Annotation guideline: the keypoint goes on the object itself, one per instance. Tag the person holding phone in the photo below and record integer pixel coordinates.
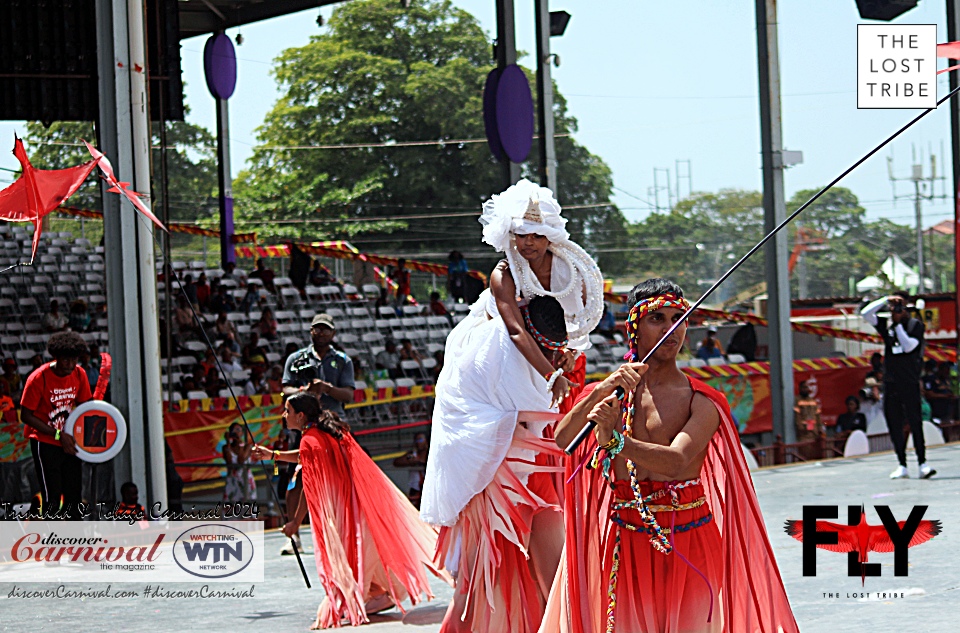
(903, 345)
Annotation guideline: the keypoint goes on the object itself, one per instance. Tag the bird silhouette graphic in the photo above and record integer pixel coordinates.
(863, 538)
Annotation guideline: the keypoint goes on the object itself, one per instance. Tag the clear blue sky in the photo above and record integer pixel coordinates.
(652, 83)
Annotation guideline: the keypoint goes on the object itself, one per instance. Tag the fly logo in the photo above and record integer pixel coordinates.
(213, 551)
(858, 538)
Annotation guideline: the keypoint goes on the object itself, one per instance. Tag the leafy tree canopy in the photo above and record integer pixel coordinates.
(379, 77)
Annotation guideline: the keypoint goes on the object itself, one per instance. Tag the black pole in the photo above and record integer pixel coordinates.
(582, 435)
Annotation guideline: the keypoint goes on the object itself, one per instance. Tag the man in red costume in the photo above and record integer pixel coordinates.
(664, 532)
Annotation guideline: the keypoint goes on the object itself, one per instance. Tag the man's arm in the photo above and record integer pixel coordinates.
(869, 311)
(627, 377)
(67, 443)
(908, 342)
(673, 460)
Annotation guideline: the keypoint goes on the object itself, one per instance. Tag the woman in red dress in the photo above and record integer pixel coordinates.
(371, 549)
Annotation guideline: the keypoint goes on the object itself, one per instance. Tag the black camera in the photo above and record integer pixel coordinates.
(897, 308)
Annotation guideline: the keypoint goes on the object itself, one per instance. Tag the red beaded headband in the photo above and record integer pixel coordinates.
(643, 308)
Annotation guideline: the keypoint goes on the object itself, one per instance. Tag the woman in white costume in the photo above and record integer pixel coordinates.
(491, 483)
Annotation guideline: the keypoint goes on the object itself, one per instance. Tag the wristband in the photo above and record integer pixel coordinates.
(553, 378)
(56, 435)
(276, 467)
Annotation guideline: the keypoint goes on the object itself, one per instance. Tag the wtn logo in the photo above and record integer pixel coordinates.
(858, 538)
(220, 551)
(213, 551)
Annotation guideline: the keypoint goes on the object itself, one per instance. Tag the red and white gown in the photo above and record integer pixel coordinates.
(721, 575)
(368, 541)
(494, 479)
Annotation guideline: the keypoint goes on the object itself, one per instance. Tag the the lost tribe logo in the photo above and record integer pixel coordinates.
(858, 538)
(213, 551)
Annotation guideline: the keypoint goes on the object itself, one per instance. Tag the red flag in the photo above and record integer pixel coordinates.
(39, 191)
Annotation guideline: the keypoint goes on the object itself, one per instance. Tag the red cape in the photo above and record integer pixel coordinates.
(753, 597)
(364, 529)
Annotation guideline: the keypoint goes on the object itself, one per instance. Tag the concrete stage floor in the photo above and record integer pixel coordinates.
(282, 602)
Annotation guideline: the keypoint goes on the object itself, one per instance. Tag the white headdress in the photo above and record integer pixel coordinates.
(526, 208)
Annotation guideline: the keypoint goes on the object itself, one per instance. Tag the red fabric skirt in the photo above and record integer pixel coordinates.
(663, 593)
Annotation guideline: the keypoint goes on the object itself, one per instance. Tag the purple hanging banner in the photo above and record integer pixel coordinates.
(220, 66)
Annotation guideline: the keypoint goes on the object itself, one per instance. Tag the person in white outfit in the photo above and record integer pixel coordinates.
(491, 481)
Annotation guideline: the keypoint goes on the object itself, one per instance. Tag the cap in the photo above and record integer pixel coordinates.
(10, 361)
(323, 319)
(871, 382)
(712, 328)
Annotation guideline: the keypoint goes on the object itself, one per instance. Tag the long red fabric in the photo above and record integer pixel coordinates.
(752, 596)
(368, 538)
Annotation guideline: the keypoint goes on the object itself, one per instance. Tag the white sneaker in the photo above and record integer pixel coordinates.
(926, 472)
(288, 548)
(900, 473)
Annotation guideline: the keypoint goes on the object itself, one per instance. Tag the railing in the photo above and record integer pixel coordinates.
(831, 447)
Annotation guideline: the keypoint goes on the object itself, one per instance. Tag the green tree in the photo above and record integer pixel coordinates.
(383, 76)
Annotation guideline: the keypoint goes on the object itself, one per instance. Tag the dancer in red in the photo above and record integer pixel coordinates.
(664, 531)
(372, 550)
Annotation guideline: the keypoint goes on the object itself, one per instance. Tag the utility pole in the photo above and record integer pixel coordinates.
(507, 55)
(775, 212)
(548, 154)
(953, 33)
(923, 188)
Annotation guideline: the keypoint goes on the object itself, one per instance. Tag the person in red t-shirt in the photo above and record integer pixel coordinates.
(401, 277)
(49, 395)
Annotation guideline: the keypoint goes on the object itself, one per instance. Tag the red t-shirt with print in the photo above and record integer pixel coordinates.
(52, 398)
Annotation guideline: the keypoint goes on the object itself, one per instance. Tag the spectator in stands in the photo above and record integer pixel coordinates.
(711, 336)
(36, 362)
(358, 369)
(250, 299)
(209, 362)
(416, 460)
(253, 351)
(187, 384)
(230, 342)
(223, 301)
(11, 378)
(224, 326)
(876, 362)
(129, 505)
(50, 394)
(190, 289)
(401, 277)
(744, 342)
(265, 275)
(92, 365)
(53, 321)
(275, 379)
(436, 306)
(851, 419)
(240, 484)
(939, 394)
(291, 348)
(321, 369)
(408, 351)
(807, 415)
(266, 327)
(203, 292)
(457, 276)
(389, 359)
(80, 318)
(608, 324)
(183, 318)
(255, 383)
(213, 383)
(708, 349)
(320, 275)
(228, 361)
(437, 356)
(230, 271)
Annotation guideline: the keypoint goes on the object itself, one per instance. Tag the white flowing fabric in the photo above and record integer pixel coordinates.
(484, 383)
